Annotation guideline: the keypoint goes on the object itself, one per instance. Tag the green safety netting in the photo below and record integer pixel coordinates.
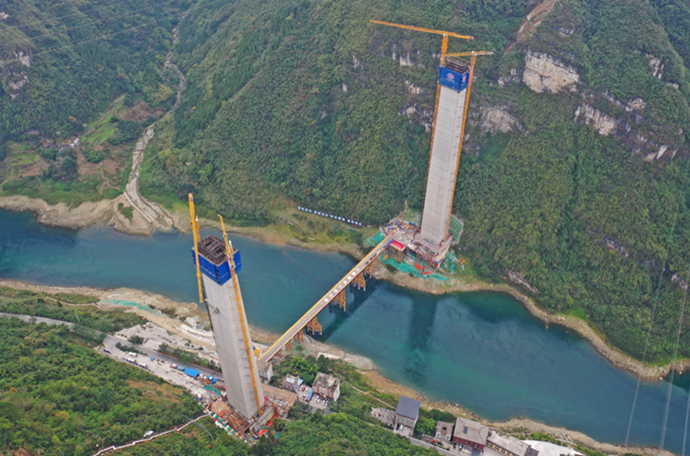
(375, 239)
(449, 265)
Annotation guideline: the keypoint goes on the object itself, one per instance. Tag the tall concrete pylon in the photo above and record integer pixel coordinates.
(230, 328)
(445, 150)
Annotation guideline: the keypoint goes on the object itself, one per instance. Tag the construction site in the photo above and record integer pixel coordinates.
(248, 403)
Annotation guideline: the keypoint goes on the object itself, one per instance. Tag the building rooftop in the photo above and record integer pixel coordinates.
(510, 443)
(408, 407)
(444, 428)
(471, 430)
(325, 381)
(213, 249)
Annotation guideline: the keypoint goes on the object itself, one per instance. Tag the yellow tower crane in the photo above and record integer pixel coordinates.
(444, 43)
(195, 231)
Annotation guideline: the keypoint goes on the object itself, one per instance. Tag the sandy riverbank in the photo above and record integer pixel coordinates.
(150, 306)
(106, 213)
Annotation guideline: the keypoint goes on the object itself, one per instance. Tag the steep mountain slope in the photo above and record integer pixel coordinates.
(62, 62)
(574, 171)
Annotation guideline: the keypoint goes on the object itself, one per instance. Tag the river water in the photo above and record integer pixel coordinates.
(480, 350)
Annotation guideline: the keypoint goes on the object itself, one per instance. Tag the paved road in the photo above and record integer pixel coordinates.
(421, 443)
(323, 302)
(30, 319)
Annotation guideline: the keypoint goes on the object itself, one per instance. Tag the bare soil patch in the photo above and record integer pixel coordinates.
(141, 112)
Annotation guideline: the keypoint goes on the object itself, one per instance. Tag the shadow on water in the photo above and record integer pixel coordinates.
(341, 317)
(419, 334)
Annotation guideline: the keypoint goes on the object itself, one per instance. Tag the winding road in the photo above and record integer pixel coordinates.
(154, 214)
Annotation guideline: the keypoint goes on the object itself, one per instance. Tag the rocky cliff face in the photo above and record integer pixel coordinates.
(497, 119)
(546, 74)
(604, 123)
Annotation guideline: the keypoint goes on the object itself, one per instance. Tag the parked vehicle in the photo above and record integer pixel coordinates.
(174, 366)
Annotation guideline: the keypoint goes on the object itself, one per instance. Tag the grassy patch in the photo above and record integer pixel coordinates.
(578, 312)
(157, 392)
(45, 305)
(127, 211)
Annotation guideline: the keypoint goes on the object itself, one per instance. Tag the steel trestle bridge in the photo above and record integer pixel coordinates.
(309, 317)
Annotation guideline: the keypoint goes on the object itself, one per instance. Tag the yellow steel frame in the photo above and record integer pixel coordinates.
(314, 326)
(195, 230)
(370, 270)
(341, 300)
(360, 282)
(280, 342)
(422, 29)
(240, 308)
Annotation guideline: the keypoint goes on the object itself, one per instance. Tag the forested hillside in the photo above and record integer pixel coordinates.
(573, 173)
(574, 167)
(62, 62)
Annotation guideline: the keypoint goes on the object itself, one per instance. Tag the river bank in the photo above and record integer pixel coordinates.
(157, 308)
(106, 213)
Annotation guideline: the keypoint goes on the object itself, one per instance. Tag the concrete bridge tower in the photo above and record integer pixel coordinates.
(446, 142)
(230, 328)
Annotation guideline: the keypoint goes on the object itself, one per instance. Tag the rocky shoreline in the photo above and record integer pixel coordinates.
(106, 213)
(152, 306)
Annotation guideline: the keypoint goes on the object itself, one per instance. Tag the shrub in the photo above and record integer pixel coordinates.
(94, 156)
(49, 154)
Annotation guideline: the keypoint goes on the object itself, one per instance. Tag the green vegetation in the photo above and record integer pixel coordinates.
(128, 130)
(94, 156)
(305, 102)
(126, 348)
(58, 396)
(194, 441)
(128, 211)
(72, 76)
(136, 340)
(188, 357)
(302, 100)
(50, 306)
(337, 434)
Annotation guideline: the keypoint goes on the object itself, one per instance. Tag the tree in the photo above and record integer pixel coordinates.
(425, 426)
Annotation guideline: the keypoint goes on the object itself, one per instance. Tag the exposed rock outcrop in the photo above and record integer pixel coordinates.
(544, 73)
(604, 123)
(612, 244)
(678, 280)
(410, 87)
(514, 77)
(657, 66)
(497, 119)
(518, 278)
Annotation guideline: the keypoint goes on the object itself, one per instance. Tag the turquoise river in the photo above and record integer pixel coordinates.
(480, 350)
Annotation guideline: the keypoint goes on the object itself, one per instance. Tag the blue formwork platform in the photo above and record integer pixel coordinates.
(220, 273)
(453, 79)
(454, 74)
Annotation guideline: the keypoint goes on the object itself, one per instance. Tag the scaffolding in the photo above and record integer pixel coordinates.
(314, 327)
(359, 282)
